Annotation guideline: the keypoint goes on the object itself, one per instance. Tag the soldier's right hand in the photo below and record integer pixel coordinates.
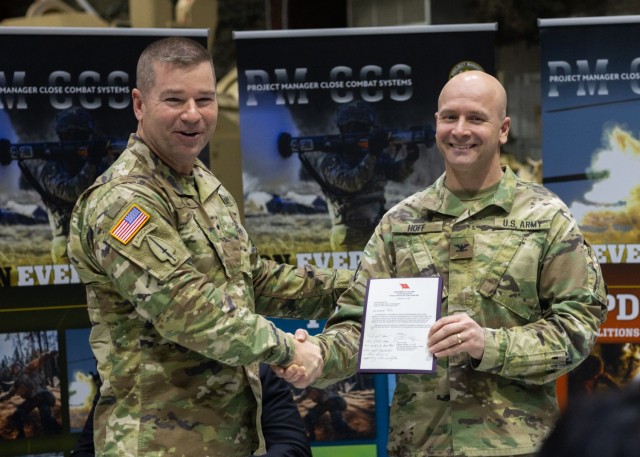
(378, 141)
(307, 362)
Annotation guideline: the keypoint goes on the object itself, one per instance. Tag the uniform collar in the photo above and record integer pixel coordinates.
(440, 199)
(201, 183)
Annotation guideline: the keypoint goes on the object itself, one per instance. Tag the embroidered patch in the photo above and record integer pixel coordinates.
(130, 224)
(162, 250)
(461, 247)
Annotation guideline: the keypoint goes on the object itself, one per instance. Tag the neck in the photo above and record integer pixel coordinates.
(472, 181)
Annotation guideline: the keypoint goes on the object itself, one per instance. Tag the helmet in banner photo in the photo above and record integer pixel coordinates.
(74, 124)
(355, 117)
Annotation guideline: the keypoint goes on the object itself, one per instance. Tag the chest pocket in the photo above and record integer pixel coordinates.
(512, 276)
(217, 242)
(413, 251)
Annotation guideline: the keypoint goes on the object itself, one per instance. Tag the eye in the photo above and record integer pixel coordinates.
(205, 101)
(447, 117)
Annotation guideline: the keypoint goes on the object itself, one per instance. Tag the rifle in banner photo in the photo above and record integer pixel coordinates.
(289, 145)
(589, 175)
(92, 150)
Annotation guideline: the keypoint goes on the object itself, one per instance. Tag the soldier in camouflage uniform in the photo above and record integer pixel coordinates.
(60, 181)
(175, 285)
(30, 384)
(355, 177)
(522, 300)
(284, 432)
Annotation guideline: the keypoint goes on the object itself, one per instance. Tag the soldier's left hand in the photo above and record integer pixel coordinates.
(455, 334)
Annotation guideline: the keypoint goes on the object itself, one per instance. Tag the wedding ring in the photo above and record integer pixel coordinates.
(459, 339)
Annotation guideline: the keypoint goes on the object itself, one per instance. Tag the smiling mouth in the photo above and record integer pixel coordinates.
(462, 146)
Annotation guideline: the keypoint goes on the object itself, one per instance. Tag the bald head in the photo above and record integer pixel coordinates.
(479, 84)
(471, 125)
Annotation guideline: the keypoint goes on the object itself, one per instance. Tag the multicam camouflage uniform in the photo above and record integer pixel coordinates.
(173, 306)
(354, 177)
(59, 182)
(59, 185)
(355, 183)
(516, 262)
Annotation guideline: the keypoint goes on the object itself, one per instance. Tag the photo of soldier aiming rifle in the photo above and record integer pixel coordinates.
(353, 168)
(60, 171)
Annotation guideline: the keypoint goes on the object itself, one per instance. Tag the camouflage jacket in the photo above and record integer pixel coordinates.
(356, 192)
(526, 276)
(59, 187)
(174, 285)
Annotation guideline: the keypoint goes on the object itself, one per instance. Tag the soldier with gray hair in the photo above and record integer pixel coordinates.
(176, 290)
(522, 301)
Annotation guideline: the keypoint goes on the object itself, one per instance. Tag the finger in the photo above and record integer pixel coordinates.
(301, 335)
(440, 324)
(292, 371)
(441, 343)
(295, 373)
(301, 383)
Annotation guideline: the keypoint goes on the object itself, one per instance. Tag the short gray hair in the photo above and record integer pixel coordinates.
(176, 51)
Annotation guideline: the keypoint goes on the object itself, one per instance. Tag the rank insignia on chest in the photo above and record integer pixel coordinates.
(132, 221)
(461, 247)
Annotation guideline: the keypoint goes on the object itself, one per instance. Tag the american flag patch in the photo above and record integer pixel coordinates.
(129, 225)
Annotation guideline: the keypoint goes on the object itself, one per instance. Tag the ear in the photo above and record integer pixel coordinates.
(504, 130)
(138, 103)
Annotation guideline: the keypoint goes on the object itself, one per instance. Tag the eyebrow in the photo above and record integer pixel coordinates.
(169, 92)
(466, 113)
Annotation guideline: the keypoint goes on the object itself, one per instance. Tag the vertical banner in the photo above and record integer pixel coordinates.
(65, 115)
(337, 126)
(591, 146)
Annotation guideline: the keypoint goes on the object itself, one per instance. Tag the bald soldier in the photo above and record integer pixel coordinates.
(522, 301)
(175, 287)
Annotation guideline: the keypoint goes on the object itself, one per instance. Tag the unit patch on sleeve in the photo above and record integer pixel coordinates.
(133, 220)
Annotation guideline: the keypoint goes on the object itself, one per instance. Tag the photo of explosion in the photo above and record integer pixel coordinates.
(83, 376)
(610, 210)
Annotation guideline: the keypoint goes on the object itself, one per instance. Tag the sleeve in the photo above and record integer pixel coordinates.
(56, 180)
(153, 269)
(282, 425)
(318, 289)
(340, 339)
(395, 169)
(572, 296)
(340, 176)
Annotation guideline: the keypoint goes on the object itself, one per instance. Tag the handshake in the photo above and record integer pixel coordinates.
(307, 362)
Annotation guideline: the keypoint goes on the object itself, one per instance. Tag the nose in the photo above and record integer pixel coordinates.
(460, 127)
(190, 113)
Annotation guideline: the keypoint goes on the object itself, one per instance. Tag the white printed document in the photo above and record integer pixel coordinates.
(398, 313)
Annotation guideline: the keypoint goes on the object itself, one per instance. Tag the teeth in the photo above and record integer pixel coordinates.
(462, 146)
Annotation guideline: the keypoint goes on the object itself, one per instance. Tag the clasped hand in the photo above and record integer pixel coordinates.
(307, 362)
